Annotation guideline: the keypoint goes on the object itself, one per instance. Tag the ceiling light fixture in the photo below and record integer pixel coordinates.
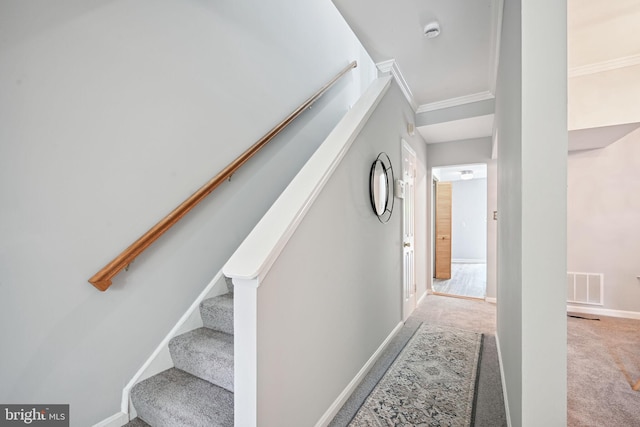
(432, 29)
(465, 175)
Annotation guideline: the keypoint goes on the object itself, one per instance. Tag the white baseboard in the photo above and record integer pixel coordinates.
(115, 420)
(468, 261)
(342, 398)
(491, 300)
(160, 359)
(604, 312)
(504, 384)
(424, 295)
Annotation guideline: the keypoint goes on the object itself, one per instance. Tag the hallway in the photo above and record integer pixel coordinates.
(476, 316)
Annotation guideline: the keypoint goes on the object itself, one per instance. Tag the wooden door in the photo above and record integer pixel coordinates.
(443, 231)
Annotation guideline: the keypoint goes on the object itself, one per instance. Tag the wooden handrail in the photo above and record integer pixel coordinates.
(102, 279)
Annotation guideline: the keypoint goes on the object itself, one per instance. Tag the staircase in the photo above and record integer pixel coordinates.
(198, 390)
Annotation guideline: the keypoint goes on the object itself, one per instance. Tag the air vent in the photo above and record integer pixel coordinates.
(585, 288)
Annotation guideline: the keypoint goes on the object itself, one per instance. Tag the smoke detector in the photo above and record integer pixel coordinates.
(432, 30)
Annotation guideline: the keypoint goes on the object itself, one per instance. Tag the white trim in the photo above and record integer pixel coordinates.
(468, 261)
(258, 252)
(342, 398)
(454, 102)
(604, 312)
(599, 67)
(115, 420)
(504, 384)
(496, 33)
(491, 300)
(424, 295)
(245, 350)
(391, 66)
(160, 359)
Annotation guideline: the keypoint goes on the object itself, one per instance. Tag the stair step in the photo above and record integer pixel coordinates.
(217, 313)
(176, 398)
(229, 283)
(205, 353)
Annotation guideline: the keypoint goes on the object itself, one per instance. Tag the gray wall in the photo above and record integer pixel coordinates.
(468, 151)
(603, 220)
(469, 220)
(532, 146)
(334, 293)
(112, 113)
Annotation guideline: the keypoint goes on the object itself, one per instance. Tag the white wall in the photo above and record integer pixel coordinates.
(531, 121)
(603, 220)
(469, 220)
(334, 293)
(112, 113)
(605, 98)
(492, 228)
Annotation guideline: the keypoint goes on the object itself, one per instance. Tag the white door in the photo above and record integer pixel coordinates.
(408, 227)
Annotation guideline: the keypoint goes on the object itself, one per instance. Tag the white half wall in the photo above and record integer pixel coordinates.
(111, 114)
(603, 219)
(469, 220)
(531, 120)
(334, 294)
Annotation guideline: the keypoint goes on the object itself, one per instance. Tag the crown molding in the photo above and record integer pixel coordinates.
(599, 67)
(454, 102)
(391, 66)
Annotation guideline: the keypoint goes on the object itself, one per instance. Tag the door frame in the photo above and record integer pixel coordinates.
(408, 291)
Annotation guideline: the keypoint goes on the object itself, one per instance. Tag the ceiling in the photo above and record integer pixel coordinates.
(602, 30)
(459, 66)
(453, 173)
(458, 63)
(457, 130)
(600, 137)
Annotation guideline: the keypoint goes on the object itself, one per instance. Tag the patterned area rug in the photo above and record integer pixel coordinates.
(431, 383)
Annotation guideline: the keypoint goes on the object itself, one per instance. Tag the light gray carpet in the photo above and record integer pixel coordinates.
(432, 382)
(459, 313)
(489, 408)
(137, 422)
(603, 363)
(198, 390)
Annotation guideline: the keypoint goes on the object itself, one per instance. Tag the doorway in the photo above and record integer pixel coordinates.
(460, 230)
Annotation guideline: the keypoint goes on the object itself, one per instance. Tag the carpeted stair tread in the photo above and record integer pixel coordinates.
(229, 281)
(205, 353)
(136, 422)
(176, 398)
(217, 313)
